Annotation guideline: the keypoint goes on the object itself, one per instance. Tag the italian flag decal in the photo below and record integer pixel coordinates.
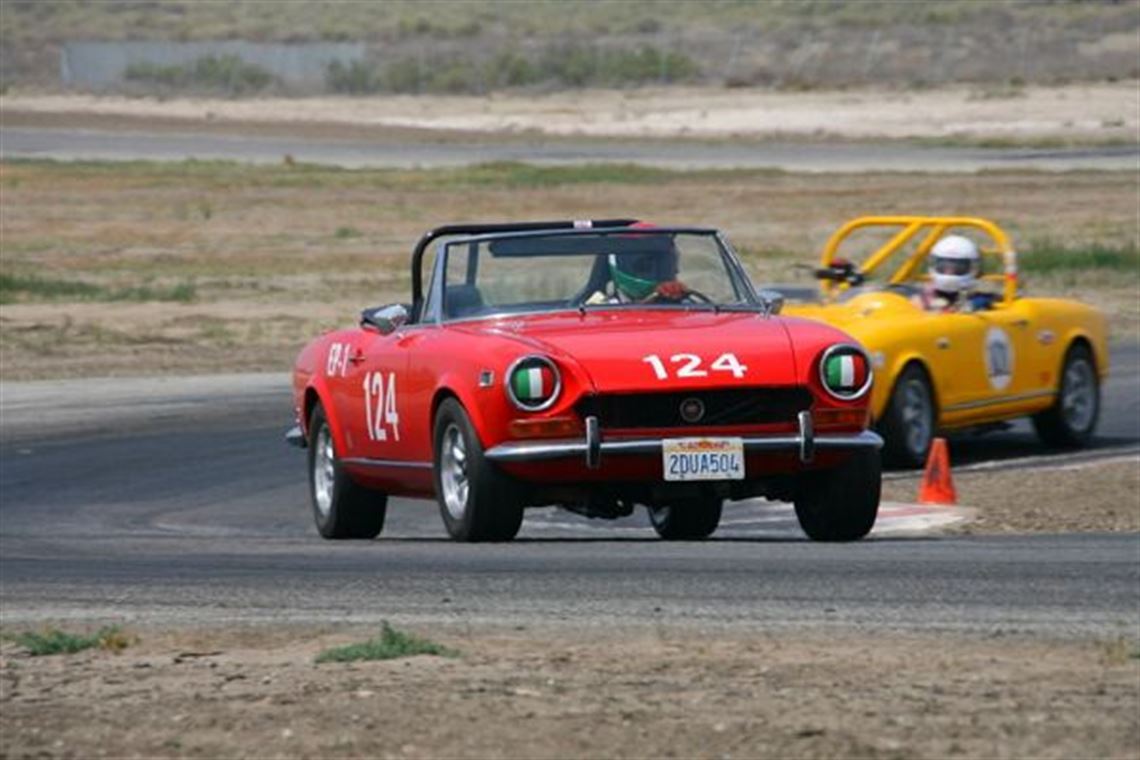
(533, 383)
(845, 372)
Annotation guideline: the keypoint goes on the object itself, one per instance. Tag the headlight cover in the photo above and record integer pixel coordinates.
(845, 371)
(533, 383)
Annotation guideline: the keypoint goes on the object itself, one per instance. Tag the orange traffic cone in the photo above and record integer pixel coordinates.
(937, 485)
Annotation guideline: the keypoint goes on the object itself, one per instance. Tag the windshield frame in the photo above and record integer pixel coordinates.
(737, 276)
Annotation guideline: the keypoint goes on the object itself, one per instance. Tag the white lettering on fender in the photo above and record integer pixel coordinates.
(380, 407)
(338, 358)
(689, 365)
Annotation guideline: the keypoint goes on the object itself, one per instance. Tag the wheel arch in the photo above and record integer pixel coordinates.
(316, 394)
(900, 366)
(1080, 339)
(448, 390)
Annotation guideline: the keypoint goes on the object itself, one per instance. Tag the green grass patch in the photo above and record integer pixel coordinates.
(225, 74)
(389, 645)
(1047, 256)
(55, 641)
(559, 65)
(226, 175)
(24, 288)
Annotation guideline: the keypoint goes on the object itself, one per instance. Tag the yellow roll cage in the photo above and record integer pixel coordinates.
(910, 227)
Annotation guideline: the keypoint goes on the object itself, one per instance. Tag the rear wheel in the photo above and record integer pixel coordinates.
(341, 508)
(476, 501)
(908, 422)
(690, 520)
(1072, 418)
(841, 504)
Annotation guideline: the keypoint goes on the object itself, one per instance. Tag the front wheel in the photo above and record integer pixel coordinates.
(476, 501)
(341, 508)
(841, 504)
(1070, 422)
(908, 421)
(690, 520)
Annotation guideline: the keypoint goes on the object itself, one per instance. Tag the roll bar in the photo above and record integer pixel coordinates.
(912, 226)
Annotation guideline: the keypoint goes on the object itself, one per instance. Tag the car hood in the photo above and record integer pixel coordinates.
(611, 346)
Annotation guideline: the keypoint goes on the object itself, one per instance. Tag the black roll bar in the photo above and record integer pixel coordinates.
(480, 229)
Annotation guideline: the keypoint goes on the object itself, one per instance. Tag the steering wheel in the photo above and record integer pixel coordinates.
(688, 294)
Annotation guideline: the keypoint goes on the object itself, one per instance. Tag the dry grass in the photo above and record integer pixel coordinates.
(263, 252)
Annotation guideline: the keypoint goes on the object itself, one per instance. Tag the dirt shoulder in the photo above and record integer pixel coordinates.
(548, 693)
(1084, 113)
(1066, 498)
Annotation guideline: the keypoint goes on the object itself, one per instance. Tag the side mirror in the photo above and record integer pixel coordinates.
(773, 301)
(384, 319)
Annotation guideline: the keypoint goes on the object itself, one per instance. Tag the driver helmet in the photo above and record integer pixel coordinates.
(954, 264)
(637, 274)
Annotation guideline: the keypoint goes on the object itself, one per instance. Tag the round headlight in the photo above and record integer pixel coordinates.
(533, 383)
(845, 371)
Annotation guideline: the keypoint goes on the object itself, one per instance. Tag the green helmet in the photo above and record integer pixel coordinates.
(629, 284)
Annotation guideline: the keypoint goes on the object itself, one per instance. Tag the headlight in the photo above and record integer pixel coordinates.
(845, 371)
(533, 383)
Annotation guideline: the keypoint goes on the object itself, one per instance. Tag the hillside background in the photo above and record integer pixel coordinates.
(480, 47)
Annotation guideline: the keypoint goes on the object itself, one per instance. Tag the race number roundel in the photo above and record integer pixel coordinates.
(999, 359)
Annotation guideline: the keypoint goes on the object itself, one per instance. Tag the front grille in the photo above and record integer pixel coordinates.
(736, 406)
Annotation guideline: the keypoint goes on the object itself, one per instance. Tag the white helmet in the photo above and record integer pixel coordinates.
(954, 264)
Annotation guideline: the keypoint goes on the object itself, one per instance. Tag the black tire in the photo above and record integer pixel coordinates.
(841, 504)
(341, 508)
(907, 430)
(488, 507)
(691, 520)
(1070, 422)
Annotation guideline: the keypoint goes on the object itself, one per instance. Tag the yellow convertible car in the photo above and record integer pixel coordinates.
(953, 342)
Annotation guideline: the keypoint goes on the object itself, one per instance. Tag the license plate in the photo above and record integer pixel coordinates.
(703, 459)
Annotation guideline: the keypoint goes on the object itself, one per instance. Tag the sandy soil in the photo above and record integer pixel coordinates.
(1087, 112)
(547, 693)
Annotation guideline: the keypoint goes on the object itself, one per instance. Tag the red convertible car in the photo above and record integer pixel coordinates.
(592, 365)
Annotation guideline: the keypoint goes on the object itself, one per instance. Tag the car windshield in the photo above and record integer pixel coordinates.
(527, 272)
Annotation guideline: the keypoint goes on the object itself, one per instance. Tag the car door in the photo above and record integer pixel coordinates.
(952, 344)
(1016, 370)
(363, 370)
(989, 362)
(375, 385)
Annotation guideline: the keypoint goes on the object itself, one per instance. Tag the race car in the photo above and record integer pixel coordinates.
(949, 358)
(592, 365)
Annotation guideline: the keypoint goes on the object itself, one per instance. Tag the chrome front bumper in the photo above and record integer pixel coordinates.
(592, 448)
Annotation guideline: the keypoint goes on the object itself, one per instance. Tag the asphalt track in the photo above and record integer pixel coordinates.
(172, 502)
(89, 144)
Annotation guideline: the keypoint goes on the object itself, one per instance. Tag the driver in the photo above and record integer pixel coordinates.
(642, 276)
(955, 266)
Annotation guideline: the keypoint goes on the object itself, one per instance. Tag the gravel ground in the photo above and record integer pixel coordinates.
(1095, 497)
(547, 693)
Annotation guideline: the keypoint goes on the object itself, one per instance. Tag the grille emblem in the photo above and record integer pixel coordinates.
(692, 410)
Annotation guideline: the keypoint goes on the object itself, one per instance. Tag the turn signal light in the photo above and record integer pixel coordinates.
(550, 427)
(839, 418)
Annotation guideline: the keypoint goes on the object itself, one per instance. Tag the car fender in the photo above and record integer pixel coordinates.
(450, 384)
(1079, 335)
(318, 385)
